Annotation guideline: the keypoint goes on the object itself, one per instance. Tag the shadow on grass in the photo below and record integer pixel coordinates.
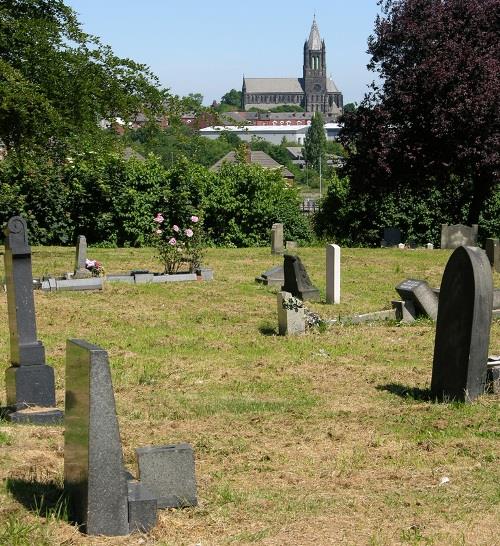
(45, 498)
(422, 395)
(267, 329)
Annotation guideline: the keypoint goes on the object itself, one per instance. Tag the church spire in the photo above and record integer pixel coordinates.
(314, 42)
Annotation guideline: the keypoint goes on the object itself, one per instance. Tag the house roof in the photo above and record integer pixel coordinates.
(256, 157)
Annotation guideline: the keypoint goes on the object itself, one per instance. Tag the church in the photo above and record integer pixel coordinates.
(315, 92)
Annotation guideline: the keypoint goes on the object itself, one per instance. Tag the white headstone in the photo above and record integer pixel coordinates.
(401, 246)
(429, 246)
(332, 274)
(291, 317)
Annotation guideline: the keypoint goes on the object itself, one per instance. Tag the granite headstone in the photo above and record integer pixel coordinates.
(463, 326)
(272, 277)
(422, 296)
(297, 281)
(458, 235)
(81, 271)
(492, 248)
(391, 237)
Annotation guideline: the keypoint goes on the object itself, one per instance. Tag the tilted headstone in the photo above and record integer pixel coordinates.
(391, 237)
(272, 277)
(95, 480)
(458, 235)
(422, 296)
(29, 381)
(297, 281)
(463, 326)
(492, 248)
(291, 316)
(81, 271)
(277, 239)
(332, 274)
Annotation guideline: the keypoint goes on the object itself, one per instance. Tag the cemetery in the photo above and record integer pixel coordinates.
(212, 423)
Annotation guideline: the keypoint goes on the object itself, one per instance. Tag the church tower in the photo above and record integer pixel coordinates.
(314, 72)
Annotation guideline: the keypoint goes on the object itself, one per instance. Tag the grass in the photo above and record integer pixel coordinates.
(328, 438)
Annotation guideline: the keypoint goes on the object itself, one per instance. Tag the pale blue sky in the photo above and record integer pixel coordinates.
(206, 47)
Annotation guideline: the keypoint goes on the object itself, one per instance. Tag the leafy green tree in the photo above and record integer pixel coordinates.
(232, 98)
(350, 107)
(315, 143)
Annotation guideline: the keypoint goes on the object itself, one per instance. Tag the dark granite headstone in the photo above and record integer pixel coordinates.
(297, 281)
(391, 237)
(29, 381)
(95, 480)
(492, 248)
(422, 296)
(463, 326)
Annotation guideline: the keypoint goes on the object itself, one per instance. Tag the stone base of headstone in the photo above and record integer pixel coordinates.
(205, 274)
(291, 316)
(421, 294)
(30, 386)
(36, 416)
(405, 310)
(142, 507)
(82, 274)
(168, 472)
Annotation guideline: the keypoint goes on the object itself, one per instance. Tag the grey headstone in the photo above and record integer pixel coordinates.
(81, 271)
(463, 326)
(29, 381)
(94, 475)
(297, 281)
(168, 472)
(291, 245)
(391, 237)
(291, 317)
(405, 310)
(277, 239)
(492, 248)
(421, 294)
(272, 277)
(458, 235)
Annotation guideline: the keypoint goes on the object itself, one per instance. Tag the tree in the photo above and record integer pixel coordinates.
(232, 98)
(315, 142)
(434, 116)
(57, 82)
(350, 107)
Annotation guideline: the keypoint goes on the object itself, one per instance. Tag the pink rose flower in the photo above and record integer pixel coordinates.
(173, 241)
(194, 219)
(159, 232)
(176, 228)
(188, 232)
(159, 218)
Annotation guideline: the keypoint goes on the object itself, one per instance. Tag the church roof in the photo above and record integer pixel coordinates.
(330, 86)
(273, 85)
(314, 41)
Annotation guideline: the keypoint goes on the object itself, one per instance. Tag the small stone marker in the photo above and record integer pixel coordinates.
(401, 246)
(332, 273)
(95, 480)
(168, 471)
(291, 245)
(421, 294)
(429, 246)
(81, 271)
(272, 277)
(463, 326)
(291, 317)
(297, 281)
(493, 252)
(391, 237)
(458, 235)
(277, 239)
(29, 381)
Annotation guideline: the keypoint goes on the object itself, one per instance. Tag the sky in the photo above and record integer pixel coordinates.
(207, 47)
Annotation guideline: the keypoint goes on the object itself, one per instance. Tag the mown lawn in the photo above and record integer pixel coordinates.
(328, 438)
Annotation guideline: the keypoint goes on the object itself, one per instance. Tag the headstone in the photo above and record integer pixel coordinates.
(291, 245)
(493, 252)
(95, 480)
(493, 375)
(391, 237)
(291, 317)
(81, 271)
(458, 235)
(429, 246)
(168, 471)
(405, 310)
(463, 326)
(272, 277)
(401, 246)
(422, 296)
(332, 274)
(297, 281)
(29, 381)
(277, 239)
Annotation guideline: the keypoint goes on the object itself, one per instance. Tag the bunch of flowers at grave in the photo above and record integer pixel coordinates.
(180, 246)
(95, 267)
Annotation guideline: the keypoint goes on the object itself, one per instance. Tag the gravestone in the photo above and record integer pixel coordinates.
(492, 248)
(458, 235)
(29, 380)
(422, 296)
(291, 316)
(493, 374)
(272, 277)
(429, 246)
(277, 239)
(332, 274)
(168, 471)
(391, 237)
(81, 271)
(463, 326)
(95, 480)
(297, 281)
(292, 245)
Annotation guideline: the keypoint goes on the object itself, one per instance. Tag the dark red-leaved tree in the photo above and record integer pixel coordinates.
(434, 116)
